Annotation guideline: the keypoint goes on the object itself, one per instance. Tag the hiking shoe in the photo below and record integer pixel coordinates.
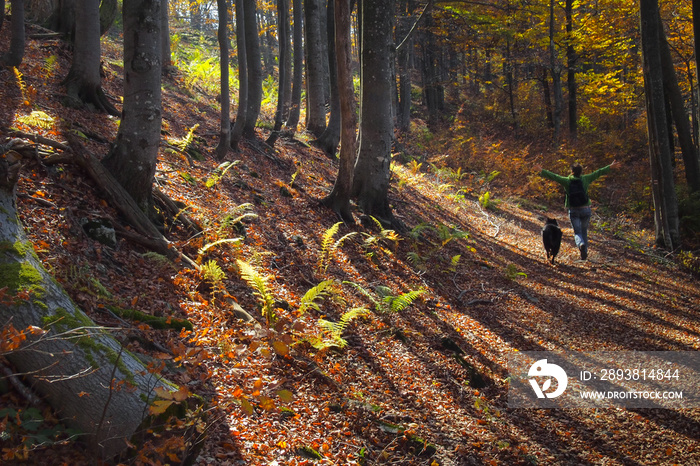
(584, 252)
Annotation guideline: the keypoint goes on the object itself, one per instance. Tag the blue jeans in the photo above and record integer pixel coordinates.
(580, 218)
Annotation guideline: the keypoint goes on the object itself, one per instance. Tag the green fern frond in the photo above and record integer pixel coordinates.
(401, 302)
(308, 301)
(365, 293)
(259, 285)
(333, 331)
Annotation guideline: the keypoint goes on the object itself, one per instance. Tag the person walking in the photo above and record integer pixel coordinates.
(577, 200)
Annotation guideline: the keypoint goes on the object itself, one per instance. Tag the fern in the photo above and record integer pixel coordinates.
(219, 173)
(448, 234)
(331, 332)
(259, 285)
(401, 302)
(329, 246)
(37, 119)
(377, 303)
(417, 260)
(212, 273)
(318, 292)
(204, 249)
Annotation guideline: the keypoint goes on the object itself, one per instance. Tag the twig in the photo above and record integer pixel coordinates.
(40, 140)
(19, 386)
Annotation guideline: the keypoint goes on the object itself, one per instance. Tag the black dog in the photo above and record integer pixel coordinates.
(551, 238)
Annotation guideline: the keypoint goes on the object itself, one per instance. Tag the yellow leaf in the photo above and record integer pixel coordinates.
(285, 395)
(246, 406)
(281, 348)
(159, 406)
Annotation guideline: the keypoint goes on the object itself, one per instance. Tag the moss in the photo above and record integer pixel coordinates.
(21, 276)
(159, 323)
(63, 320)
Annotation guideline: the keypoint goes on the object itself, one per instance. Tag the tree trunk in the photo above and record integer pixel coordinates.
(237, 132)
(339, 198)
(403, 50)
(74, 357)
(225, 120)
(255, 77)
(16, 53)
(166, 57)
(132, 161)
(680, 117)
(547, 98)
(283, 80)
(83, 83)
(372, 170)
(571, 69)
(297, 80)
(315, 101)
(555, 69)
(663, 186)
(328, 141)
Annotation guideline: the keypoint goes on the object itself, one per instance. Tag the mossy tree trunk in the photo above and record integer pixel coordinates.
(93, 383)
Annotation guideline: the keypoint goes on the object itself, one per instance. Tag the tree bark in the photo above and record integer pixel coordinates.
(689, 152)
(339, 198)
(83, 83)
(571, 69)
(225, 120)
(372, 170)
(295, 103)
(283, 77)
(555, 69)
(315, 101)
(660, 157)
(74, 357)
(14, 56)
(166, 58)
(329, 139)
(237, 132)
(133, 159)
(255, 75)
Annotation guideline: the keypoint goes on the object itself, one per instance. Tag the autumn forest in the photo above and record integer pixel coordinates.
(299, 232)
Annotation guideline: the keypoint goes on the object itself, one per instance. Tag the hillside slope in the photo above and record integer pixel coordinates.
(423, 385)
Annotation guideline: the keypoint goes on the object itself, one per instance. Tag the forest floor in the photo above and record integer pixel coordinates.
(403, 390)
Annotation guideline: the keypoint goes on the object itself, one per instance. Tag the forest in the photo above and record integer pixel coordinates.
(301, 232)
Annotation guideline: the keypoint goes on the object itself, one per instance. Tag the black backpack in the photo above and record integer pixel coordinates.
(577, 195)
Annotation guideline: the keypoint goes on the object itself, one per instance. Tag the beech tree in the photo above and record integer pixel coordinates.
(132, 160)
(315, 102)
(237, 131)
(328, 140)
(13, 57)
(372, 170)
(254, 68)
(297, 79)
(225, 120)
(85, 374)
(83, 82)
(284, 81)
(339, 198)
(660, 157)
